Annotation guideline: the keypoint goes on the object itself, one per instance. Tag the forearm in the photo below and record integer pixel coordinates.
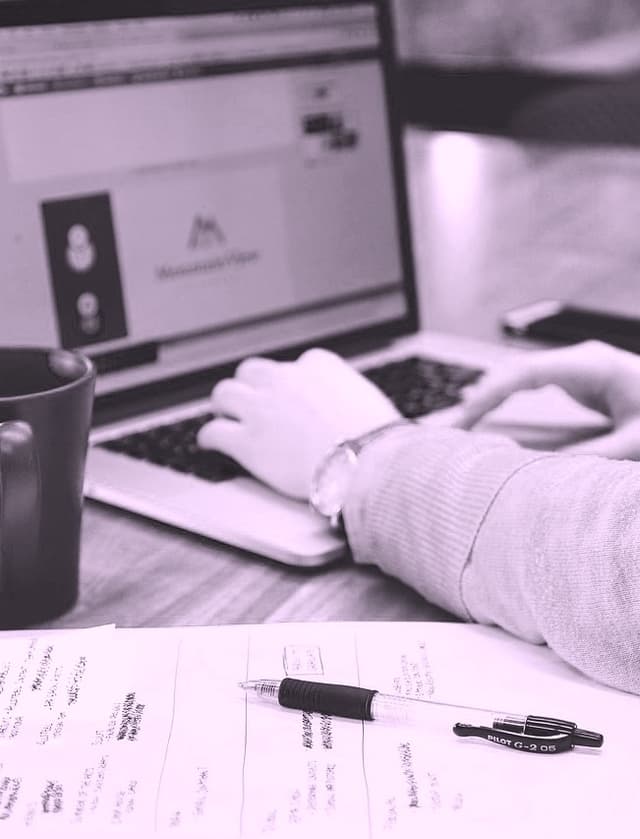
(563, 541)
(500, 534)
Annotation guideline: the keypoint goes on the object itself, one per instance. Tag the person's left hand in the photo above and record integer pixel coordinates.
(279, 419)
(597, 375)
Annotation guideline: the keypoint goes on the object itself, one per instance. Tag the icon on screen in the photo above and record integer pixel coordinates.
(88, 309)
(205, 231)
(81, 252)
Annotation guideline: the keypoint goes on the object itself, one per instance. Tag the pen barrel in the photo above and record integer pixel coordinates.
(402, 709)
(334, 700)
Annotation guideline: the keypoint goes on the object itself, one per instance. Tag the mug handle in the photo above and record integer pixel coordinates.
(20, 503)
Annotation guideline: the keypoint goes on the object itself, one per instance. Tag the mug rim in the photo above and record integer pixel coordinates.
(89, 371)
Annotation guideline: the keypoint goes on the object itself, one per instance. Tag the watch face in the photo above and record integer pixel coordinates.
(332, 480)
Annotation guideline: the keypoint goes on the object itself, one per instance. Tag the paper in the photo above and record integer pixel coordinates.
(146, 733)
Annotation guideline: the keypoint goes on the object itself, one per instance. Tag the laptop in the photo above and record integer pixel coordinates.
(186, 184)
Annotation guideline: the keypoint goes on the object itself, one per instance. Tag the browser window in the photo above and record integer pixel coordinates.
(218, 182)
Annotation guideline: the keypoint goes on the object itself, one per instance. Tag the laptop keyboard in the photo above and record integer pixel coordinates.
(415, 385)
(174, 445)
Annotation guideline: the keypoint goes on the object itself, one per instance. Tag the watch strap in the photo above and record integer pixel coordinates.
(358, 443)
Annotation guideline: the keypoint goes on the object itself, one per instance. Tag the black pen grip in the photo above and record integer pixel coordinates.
(335, 700)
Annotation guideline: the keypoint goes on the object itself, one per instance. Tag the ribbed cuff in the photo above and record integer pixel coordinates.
(418, 499)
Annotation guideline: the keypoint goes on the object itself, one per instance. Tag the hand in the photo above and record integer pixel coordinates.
(279, 419)
(597, 375)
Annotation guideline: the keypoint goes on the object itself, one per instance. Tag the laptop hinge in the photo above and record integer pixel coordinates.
(351, 347)
(109, 362)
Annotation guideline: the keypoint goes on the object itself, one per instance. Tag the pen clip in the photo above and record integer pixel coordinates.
(544, 744)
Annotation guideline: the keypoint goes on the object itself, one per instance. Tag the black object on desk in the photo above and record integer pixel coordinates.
(46, 398)
(558, 323)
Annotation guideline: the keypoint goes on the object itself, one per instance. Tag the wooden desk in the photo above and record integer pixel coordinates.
(497, 224)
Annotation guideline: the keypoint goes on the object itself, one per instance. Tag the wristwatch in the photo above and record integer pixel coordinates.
(333, 475)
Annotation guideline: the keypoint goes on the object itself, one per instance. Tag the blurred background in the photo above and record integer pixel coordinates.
(557, 69)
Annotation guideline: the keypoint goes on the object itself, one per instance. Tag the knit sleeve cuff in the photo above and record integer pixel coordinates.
(418, 499)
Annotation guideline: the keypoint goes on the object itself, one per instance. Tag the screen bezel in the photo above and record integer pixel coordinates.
(347, 342)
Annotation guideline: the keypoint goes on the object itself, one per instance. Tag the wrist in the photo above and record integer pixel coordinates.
(334, 474)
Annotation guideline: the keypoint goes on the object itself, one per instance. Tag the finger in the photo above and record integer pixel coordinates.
(326, 369)
(257, 371)
(491, 391)
(223, 435)
(320, 358)
(232, 398)
(621, 444)
(581, 374)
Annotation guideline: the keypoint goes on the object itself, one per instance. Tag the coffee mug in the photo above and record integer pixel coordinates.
(46, 399)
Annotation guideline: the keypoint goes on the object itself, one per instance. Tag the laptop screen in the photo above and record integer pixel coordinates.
(179, 191)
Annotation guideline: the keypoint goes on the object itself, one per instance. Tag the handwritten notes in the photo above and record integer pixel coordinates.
(146, 733)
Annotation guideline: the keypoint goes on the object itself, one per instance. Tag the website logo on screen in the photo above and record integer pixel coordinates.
(205, 232)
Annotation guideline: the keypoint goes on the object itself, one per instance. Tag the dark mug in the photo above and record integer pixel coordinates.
(46, 399)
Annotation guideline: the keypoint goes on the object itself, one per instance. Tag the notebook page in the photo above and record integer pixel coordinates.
(162, 742)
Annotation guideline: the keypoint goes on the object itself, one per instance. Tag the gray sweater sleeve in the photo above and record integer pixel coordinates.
(545, 545)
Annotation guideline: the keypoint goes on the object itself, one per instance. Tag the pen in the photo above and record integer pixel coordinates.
(533, 734)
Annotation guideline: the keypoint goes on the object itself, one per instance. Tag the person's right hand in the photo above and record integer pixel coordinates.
(595, 374)
(280, 418)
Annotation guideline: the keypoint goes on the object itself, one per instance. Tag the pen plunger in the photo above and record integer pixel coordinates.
(547, 726)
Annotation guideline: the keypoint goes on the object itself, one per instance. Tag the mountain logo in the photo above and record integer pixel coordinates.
(205, 232)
